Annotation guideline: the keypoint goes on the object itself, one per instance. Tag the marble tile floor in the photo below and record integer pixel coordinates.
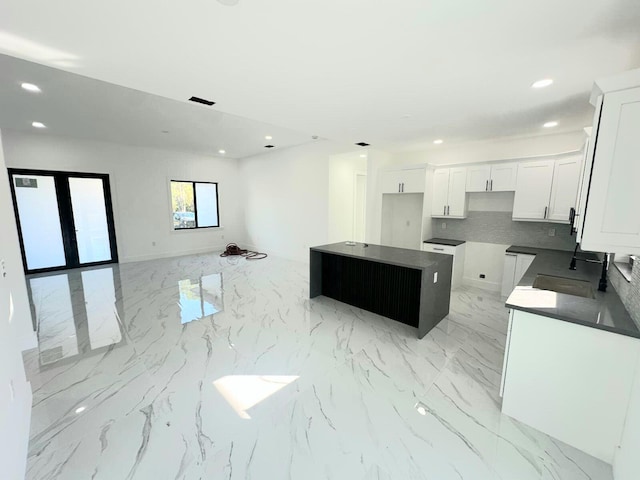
(201, 367)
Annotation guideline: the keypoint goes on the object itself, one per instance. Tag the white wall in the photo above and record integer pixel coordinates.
(626, 462)
(140, 189)
(287, 199)
(15, 334)
(342, 171)
(493, 149)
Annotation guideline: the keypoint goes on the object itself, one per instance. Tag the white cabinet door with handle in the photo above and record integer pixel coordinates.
(440, 192)
(412, 180)
(503, 177)
(533, 189)
(457, 199)
(391, 182)
(478, 177)
(564, 192)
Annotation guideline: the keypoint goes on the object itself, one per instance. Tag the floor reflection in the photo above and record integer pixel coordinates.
(200, 298)
(75, 312)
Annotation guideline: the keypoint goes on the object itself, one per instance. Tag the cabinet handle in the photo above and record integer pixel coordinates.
(448, 209)
(444, 210)
(402, 187)
(439, 249)
(486, 187)
(491, 186)
(399, 187)
(545, 212)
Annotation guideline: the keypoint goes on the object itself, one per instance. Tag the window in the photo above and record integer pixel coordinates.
(194, 205)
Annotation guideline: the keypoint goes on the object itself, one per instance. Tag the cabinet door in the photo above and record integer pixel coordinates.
(478, 178)
(533, 189)
(412, 180)
(585, 177)
(457, 203)
(612, 222)
(503, 177)
(390, 181)
(564, 191)
(440, 192)
(523, 262)
(509, 273)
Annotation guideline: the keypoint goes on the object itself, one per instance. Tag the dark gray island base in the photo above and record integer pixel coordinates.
(409, 286)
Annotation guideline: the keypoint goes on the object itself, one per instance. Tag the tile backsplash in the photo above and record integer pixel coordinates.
(498, 227)
(628, 291)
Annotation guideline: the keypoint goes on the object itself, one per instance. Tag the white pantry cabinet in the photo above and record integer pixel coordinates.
(611, 218)
(410, 180)
(499, 177)
(449, 193)
(533, 190)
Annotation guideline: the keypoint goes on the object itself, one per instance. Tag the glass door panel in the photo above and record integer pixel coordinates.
(90, 218)
(37, 204)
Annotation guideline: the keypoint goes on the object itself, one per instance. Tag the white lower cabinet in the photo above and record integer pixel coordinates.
(515, 266)
(458, 253)
(569, 381)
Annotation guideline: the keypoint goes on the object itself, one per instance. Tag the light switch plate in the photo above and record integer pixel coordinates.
(435, 277)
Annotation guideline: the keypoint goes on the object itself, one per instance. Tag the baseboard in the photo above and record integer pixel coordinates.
(483, 284)
(154, 256)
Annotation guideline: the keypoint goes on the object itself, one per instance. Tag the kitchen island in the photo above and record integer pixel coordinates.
(409, 286)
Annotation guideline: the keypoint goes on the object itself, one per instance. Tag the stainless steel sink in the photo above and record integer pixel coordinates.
(579, 288)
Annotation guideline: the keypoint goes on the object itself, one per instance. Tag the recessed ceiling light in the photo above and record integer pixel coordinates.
(222, 151)
(80, 409)
(545, 82)
(550, 124)
(268, 137)
(438, 141)
(364, 155)
(30, 87)
(420, 407)
(38, 125)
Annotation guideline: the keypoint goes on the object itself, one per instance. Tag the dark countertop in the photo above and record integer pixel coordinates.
(402, 257)
(605, 312)
(445, 241)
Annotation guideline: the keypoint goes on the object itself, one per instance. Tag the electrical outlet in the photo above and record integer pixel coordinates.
(552, 232)
(444, 225)
(3, 269)
(153, 244)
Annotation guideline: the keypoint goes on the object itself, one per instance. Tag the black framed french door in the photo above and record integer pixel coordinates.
(65, 219)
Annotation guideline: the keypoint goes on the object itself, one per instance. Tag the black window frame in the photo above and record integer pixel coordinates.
(195, 204)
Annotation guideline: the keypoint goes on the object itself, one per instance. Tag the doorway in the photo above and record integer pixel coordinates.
(65, 219)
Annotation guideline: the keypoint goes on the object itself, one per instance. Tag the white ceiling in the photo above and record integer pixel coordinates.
(77, 106)
(347, 70)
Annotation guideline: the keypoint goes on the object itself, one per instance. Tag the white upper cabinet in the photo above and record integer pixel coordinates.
(533, 190)
(478, 177)
(503, 177)
(612, 217)
(499, 177)
(440, 192)
(564, 190)
(403, 181)
(449, 193)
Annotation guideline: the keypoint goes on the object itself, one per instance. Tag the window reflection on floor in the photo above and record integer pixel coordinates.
(75, 312)
(200, 298)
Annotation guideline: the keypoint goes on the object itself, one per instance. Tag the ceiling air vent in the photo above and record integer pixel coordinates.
(202, 101)
(269, 146)
(362, 144)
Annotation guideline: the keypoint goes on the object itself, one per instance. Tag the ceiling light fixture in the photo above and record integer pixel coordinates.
(80, 409)
(30, 87)
(222, 151)
(438, 141)
(268, 137)
(38, 125)
(364, 155)
(550, 124)
(545, 82)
